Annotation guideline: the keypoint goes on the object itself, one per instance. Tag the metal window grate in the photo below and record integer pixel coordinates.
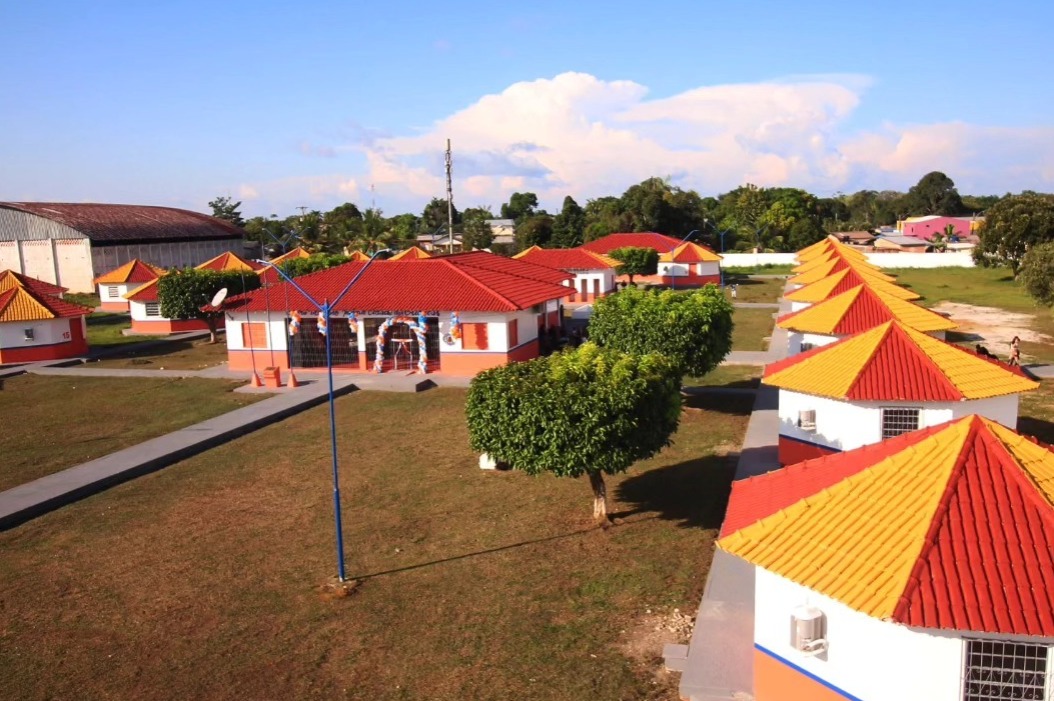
(997, 669)
(153, 308)
(898, 421)
(113, 291)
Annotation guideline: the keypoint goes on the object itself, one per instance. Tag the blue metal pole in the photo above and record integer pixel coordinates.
(333, 443)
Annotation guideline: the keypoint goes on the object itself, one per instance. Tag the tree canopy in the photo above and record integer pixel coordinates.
(520, 206)
(227, 209)
(184, 293)
(1037, 273)
(635, 261)
(693, 329)
(935, 193)
(589, 411)
(1014, 225)
(295, 267)
(569, 226)
(476, 233)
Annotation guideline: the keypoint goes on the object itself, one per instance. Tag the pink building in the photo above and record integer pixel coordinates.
(926, 227)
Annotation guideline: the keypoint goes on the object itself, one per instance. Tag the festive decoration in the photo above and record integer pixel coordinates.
(455, 325)
(321, 323)
(294, 323)
(420, 329)
(353, 322)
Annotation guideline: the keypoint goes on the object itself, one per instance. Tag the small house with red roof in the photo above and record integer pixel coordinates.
(594, 273)
(643, 239)
(456, 314)
(269, 275)
(918, 568)
(36, 325)
(144, 306)
(858, 309)
(690, 265)
(412, 253)
(883, 382)
(841, 281)
(114, 285)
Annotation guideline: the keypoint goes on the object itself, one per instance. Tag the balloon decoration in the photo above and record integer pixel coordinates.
(294, 323)
(420, 328)
(353, 322)
(321, 323)
(455, 325)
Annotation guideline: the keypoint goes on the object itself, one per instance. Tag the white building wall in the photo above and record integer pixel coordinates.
(10, 256)
(795, 339)
(137, 311)
(72, 261)
(868, 658)
(277, 339)
(122, 288)
(46, 332)
(846, 425)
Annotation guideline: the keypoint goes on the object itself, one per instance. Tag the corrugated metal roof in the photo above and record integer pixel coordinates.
(894, 362)
(950, 528)
(126, 222)
(645, 239)
(134, 270)
(859, 309)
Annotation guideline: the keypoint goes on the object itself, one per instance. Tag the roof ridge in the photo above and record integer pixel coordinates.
(1036, 489)
(925, 358)
(477, 283)
(936, 519)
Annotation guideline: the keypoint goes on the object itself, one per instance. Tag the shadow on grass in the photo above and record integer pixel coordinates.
(725, 403)
(150, 349)
(1040, 429)
(694, 493)
(742, 280)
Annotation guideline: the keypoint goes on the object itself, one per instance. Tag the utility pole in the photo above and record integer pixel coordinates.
(449, 200)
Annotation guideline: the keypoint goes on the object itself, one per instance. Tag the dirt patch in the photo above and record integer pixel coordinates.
(991, 325)
(644, 642)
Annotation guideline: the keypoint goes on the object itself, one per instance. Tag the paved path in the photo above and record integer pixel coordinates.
(756, 305)
(81, 371)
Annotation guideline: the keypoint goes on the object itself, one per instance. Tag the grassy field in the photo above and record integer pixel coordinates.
(172, 355)
(1036, 412)
(986, 287)
(744, 376)
(203, 580)
(57, 422)
(88, 300)
(754, 289)
(767, 269)
(104, 330)
(753, 329)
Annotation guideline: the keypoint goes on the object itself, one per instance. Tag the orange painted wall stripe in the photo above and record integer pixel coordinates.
(776, 679)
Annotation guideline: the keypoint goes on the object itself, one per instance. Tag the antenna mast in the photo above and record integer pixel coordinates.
(449, 200)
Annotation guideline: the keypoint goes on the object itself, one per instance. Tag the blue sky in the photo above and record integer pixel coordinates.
(283, 104)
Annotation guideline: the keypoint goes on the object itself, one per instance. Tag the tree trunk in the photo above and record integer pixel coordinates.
(600, 496)
(211, 321)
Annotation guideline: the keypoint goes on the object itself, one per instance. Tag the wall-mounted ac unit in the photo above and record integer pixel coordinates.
(808, 630)
(807, 420)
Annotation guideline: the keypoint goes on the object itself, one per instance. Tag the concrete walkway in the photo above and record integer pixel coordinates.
(756, 305)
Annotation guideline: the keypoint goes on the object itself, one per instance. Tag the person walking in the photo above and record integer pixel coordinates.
(735, 291)
(1015, 351)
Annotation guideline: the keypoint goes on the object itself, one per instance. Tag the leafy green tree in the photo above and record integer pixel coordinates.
(569, 226)
(692, 329)
(604, 216)
(476, 233)
(184, 293)
(404, 229)
(935, 193)
(435, 216)
(343, 223)
(267, 231)
(521, 206)
(227, 209)
(1012, 226)
(636, 261)
(590, 411)
(296, 267)
(1036, 274)
(536, 230)
(310, 231)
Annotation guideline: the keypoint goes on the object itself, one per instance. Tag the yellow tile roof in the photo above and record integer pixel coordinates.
(692, 252)
(859, 540)
(837, 282)
(819, 272)
(122, 273)
(825, 247)
(294, 254)
(412, 253)
(861, 308)
(17, 304)
(926, 369)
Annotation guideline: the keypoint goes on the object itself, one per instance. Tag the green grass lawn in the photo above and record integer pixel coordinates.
(767, 269)
(755, 289)
(58, 422)
(744, 376)
(1036, 412)
(104, 330)
(172, 355)
(88, 300)
(203, 580)
(753, 328)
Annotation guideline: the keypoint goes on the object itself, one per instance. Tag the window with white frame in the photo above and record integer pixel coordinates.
(898, 420)
(153, 308)
(1000, 669)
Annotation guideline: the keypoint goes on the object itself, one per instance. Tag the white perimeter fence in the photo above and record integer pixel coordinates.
(956, 259)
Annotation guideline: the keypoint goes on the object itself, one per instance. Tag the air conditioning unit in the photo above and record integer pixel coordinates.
(807, 420)
(808, 630)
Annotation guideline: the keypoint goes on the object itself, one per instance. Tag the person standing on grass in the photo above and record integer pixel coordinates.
(735, 291)
(1015, 351)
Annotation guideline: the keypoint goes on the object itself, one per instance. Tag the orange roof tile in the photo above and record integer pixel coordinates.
(835, 264)
(297, 252)
(859, 309)
(10, 279)
(843, 280)
(827, 246)
(229, 262)
(894, 362)
(690, 253)
(134, 270)
(950, 527)
(358, 257)
(25, 304)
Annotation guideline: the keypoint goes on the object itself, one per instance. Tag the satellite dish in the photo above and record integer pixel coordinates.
(218, 298)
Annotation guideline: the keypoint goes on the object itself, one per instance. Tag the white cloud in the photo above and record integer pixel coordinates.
(578, 134)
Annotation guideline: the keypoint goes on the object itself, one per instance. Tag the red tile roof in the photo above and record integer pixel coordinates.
(126, 222)
(566, 258)
(9, 279)
(25, 304)
(475, 281)
(962, 536)
(646, 239)
(224, 262)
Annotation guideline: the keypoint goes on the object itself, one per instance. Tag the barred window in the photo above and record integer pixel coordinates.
(996, 669)
(896, 421)
(113, 291)
(153, 308)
